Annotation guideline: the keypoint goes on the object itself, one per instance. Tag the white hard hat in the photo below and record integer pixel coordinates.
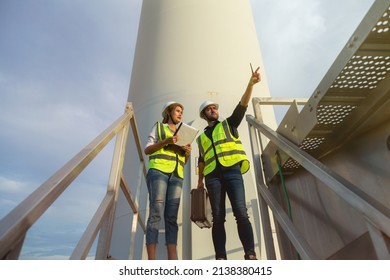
(166, 106)
(204, 105)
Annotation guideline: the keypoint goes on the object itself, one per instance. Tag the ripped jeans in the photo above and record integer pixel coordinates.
(164, 200)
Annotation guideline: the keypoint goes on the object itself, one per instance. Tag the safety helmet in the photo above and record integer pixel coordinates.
(204, 105)
(167, 105)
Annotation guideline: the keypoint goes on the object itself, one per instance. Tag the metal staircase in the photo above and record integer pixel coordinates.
(332, 157)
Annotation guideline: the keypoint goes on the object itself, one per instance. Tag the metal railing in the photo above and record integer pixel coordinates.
(376, 215)
(15, 225)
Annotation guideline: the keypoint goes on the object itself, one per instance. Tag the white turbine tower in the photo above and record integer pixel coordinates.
(190, 51)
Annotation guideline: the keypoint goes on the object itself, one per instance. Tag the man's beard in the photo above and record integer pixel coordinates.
(212, 118)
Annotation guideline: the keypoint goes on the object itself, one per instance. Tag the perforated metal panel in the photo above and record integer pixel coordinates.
(333, 114)
(342, 106)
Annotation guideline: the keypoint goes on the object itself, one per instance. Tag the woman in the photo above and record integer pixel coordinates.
(165, 179)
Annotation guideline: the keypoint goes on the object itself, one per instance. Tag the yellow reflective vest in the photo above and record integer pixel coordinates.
(228, 149)
(165, 159)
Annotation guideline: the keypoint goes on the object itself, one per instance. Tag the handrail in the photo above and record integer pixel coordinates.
(279, 100)
(371, 209)
(14, 226)
(266, 199)
(346, 190)
(86, 241)
(129, 197)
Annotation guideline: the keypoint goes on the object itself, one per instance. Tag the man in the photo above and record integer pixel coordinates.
(222, 161)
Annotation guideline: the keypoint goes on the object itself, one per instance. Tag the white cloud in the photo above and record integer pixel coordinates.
(62, 82)
(12, 192)
(11, 186)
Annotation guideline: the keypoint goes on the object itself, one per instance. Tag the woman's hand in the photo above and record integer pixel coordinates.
(187, 149)
(172, 140)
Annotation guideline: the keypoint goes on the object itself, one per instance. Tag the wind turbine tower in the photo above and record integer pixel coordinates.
(191, 51)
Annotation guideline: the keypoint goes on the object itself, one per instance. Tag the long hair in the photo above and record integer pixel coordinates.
(166, 117)
(168, 112)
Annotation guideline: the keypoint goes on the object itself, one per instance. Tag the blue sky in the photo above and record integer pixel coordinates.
(65, 69)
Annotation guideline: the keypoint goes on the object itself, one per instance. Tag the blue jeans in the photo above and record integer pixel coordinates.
(164, 200)
(219, 183)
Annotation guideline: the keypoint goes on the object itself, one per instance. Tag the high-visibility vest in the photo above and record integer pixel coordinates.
(166, 160)
(228, 148)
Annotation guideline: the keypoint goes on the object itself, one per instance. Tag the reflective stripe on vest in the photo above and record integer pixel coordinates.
(166, 160)
(229, 149)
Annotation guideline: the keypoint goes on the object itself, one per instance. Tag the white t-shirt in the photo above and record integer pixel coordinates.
(153, 136)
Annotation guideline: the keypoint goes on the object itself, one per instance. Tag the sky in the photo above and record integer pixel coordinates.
(65, 70)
